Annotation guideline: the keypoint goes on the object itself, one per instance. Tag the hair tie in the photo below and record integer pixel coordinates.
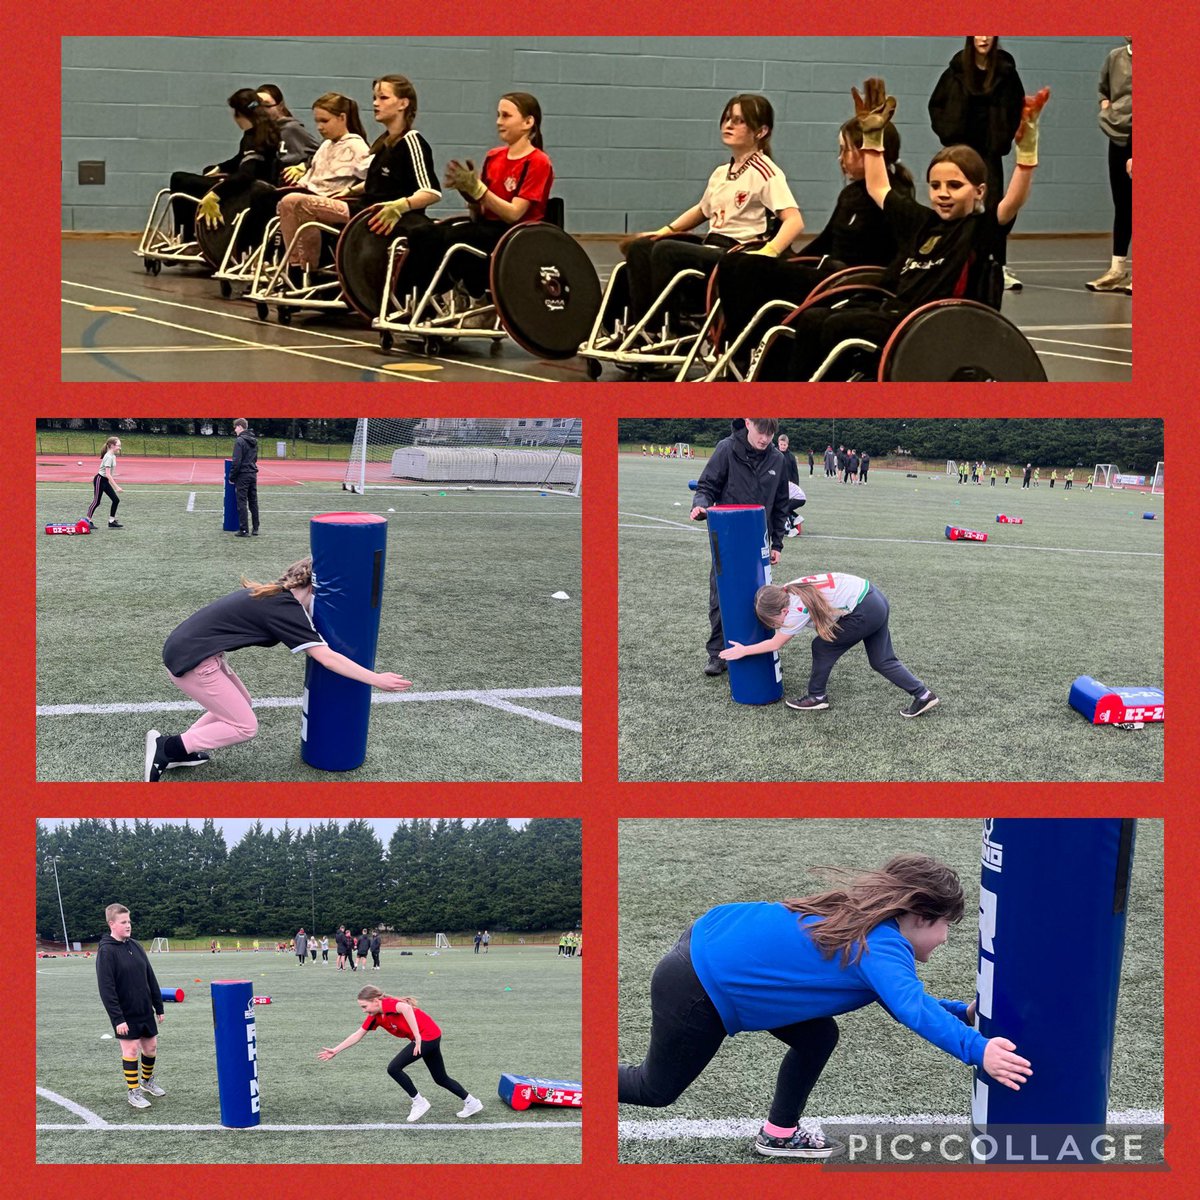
(253, 104)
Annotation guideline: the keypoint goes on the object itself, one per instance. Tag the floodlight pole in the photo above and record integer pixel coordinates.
(53, 860)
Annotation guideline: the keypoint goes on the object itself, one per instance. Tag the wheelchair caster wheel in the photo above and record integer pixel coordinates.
(262, 310)
(153, 266)
(434, 346)
(226, 289)
(285, 315)
(495, 347)
(386, 342)
(594, 369)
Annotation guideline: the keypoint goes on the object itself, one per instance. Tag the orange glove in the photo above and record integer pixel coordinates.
(1027, 131)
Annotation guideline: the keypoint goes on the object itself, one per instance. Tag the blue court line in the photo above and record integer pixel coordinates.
(89, 343)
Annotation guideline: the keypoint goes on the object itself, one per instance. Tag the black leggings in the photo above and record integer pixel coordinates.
(1122, 194)
(102, 487)
(686, 1032)
(652, 263)
(429, 242)
(431, 1056)
(819, 329)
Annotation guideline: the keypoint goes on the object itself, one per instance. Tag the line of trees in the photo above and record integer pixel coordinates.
(1134, 444)
(182, 881)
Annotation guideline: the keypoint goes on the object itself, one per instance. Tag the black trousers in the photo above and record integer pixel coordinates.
(375, 958)
(1122, 193)
(818, 330)
(651, 263)
(686, 1032)
(189, 184)
(431, 1056)
(247, 498)
(427, 246)
(868, 624)
(102, 487)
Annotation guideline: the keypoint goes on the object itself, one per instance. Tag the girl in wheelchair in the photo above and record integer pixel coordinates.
(857, 235)
(512, 188)
(739, 202)
(951, 250)
(296, 144)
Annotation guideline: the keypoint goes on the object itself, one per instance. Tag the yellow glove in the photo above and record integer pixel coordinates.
(209, 211)
(384, 220)
(874, 110)
(295, 172)
(463, 177)
(1027, 132)
(768, 251)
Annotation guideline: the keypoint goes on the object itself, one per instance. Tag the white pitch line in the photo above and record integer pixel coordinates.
(91, 1120)
(475, 695)
(134, 1127)
(1070, 328)
(1083, 345)
(739, 1127)
(416, 512)
(191, 504)
(179, 349)
(533, 714)
(835, 537)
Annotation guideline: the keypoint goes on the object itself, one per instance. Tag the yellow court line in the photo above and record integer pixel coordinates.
(107, 308)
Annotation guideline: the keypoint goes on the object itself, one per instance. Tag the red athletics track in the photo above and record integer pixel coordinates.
(62, 468)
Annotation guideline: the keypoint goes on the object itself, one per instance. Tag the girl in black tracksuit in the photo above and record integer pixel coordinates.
(104, 483)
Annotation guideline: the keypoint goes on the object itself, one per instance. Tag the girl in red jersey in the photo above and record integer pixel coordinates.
(400, 1016)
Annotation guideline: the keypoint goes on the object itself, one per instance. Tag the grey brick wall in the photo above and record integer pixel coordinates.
(631, 123)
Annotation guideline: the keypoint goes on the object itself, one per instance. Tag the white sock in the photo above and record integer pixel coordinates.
(1119, 263)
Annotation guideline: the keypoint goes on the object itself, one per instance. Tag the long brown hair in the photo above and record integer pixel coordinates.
(298, 575)
(246, 104)
(371, 992)
(906, 883)
(975, 81)
(758, 114)
(276, 93)
(771, 602)
(402, 89)
(528, 106)
(966, 159)
(342, 106)
(112, 441)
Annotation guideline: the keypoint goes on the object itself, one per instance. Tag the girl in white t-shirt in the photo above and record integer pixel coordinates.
(842, 610)
(104, 483)
(739, 202)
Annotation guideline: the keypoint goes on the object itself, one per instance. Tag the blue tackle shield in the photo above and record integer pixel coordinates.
(230, 522)
(237, 1052)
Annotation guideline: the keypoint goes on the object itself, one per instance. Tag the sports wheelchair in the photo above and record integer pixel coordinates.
(543, 292)
(161, 242)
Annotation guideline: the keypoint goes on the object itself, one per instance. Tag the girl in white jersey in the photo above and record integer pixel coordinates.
(842, 610)
(104, 483)
(739, 202)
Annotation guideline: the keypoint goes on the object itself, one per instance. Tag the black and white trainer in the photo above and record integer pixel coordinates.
(800, 1144)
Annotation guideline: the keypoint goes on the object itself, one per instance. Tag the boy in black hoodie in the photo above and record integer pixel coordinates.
(745, 468)
(243, 474)
(131, 996)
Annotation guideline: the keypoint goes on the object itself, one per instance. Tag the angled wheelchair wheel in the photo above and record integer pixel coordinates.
(213, 243)
(361, 262)
(959, 341)
(545, 289)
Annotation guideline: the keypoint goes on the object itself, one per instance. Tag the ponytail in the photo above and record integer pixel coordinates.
(771, 602)
(298, 575)
(528, 106)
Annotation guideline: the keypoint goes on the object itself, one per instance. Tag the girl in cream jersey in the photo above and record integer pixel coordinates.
(842, 610)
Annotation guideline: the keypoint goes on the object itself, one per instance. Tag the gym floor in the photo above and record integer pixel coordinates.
(120, 323)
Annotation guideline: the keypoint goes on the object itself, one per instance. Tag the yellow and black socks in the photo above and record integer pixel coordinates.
(130, 1067)
(148, 1061)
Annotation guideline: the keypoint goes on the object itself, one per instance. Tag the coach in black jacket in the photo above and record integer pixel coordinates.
(745, 468)
(243, 474)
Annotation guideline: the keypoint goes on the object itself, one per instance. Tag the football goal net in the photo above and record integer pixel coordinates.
(160, 946)
(442, 942)
(951, 467)
(1156, 488)
(467, 453)
(1105, 475)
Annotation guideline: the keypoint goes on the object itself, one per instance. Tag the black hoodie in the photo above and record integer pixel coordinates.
(985, 121)
(129, 990)
(245, 456)
(739, 474)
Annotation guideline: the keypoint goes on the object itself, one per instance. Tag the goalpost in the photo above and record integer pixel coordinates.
(1105, 475)
(542, 454)
(160, 946)
(951, 467)
(442, 942)
(1156, 488)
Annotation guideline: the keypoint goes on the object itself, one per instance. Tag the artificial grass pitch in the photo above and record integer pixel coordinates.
(999, 630)
(514, 1009)
(468, 607)
(671, 872)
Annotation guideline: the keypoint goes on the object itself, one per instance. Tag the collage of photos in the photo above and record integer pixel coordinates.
(921, 845)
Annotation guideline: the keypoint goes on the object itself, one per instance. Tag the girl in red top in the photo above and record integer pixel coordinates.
(401, 1018)
(512, 188)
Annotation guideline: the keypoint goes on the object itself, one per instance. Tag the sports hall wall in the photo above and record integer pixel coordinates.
(630, 123)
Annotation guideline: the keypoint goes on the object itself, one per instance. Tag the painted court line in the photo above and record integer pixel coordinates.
(740, 1127)
(191, 504)
(494, 698)
(416, 512)
(91, 1120)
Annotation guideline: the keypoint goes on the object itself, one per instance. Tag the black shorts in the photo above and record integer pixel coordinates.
(137, 1030)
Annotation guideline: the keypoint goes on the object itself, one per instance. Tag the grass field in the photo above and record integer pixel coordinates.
(346, 1110)
(999, 630)
(673, 871)
(468, 616)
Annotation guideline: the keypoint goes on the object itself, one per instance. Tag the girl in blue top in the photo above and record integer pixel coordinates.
(842, 611)
(790, 968)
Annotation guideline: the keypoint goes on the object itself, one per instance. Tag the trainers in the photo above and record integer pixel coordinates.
(420, 1106)
(1113, 280)
(115, 525)
(137, 1100)
(918, 706)
(1011, 282)
(151, 1085)
(715, 666)
(156, 756)
(241, 533)
(1128, 288)
(800, 1144)
(193, 760)
(807, 703)
(470, 1107)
